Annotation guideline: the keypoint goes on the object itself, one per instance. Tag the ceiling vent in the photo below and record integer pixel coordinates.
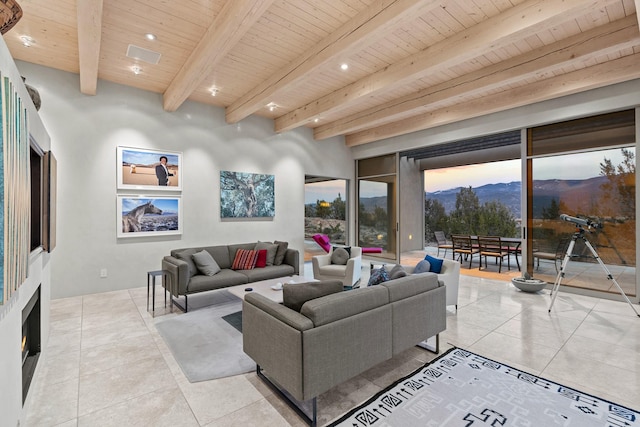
(143, 54)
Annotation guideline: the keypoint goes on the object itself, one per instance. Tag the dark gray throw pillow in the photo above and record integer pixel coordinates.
(205, 263)
(397, 272)
(339, 256)
(271, 251)
(294, 295)
(280, 253)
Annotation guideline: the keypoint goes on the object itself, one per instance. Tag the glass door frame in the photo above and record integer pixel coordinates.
(393, 231)
(527, 204)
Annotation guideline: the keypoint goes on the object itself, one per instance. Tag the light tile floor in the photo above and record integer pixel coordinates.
(106, 365)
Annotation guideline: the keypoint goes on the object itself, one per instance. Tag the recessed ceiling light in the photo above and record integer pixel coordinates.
(214, 91)
(272, 106)
(316, 120)
(136, 69)
(150, 36)
(344, 67)
(27, 41)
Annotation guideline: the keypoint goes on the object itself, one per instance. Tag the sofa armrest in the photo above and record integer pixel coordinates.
(292, 258)
(319, 261)
(278, 311)
(272, 335)
(354, 269)
(178, 273)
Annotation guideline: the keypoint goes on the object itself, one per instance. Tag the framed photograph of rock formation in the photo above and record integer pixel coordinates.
(141, 216)
(141, 169)
(246, 195)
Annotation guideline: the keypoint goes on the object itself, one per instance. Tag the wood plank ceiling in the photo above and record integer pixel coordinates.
(412, 64)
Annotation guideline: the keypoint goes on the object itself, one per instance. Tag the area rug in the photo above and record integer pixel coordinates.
(235, 320)
(461, 388)
(205, 346)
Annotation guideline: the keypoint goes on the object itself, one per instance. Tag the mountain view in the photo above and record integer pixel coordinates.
(572, 192)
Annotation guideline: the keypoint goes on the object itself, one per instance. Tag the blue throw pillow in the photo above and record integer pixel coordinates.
(436, 264)
(423, 266)
(378, 276)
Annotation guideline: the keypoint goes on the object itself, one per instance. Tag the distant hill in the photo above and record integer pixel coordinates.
(508, 194)
(572, 191)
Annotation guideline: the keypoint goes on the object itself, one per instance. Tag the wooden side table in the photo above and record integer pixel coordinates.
(151, 284)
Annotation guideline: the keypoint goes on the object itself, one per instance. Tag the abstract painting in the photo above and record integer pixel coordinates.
(246, 195)
(15, 192)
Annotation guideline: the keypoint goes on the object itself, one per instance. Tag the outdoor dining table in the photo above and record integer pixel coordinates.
(512, 243)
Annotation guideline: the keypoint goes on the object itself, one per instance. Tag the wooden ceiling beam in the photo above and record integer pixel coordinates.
(366, 28)
(234, 20)
(519, 21)
(89, 13)
(603, 40)
(604, 74)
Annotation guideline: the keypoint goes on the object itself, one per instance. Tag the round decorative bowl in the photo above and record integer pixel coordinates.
(528, 285)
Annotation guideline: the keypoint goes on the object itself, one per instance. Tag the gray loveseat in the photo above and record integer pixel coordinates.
(338, 336)
(186, 278)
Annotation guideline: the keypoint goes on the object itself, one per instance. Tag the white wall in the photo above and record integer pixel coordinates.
(39, 274)
(85, 131)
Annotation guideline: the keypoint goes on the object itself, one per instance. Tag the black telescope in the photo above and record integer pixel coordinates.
(585, 222)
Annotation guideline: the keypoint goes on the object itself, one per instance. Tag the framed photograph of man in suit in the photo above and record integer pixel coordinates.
(142, 169)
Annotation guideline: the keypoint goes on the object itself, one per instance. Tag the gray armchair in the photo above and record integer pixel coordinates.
(349, 274)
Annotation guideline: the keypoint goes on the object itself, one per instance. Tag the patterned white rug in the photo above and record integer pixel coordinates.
(461, 388)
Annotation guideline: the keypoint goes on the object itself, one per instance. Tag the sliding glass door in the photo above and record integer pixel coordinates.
(584, 169)
(377, 210)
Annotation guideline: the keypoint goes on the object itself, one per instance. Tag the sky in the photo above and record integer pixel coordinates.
(138, 157)
(574, 166)
(168, 205)
(327, 191)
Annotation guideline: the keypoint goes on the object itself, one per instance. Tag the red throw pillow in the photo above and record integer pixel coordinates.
(261, 260)
(245, 259)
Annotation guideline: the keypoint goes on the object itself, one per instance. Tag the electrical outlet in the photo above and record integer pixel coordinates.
(103, 273)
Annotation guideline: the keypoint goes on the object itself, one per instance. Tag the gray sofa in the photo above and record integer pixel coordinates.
(338, 336)
(185, 278)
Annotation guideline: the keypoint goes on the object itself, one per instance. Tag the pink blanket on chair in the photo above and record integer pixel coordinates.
(325, 243)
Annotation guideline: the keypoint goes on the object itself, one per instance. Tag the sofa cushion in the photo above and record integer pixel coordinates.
(271, 250)
(205, 263)
(223, 279)
(186, 255)
(269, 272)
(245, 259)
(294, 295)
(378, 276)
(397, 272)
(341, 305)
(282, 250)
(340, 256)
(221, 255)
(422, 266)
(436, 264)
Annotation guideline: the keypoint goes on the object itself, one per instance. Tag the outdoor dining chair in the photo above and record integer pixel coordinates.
(443, 243)
(491, 246)
(463, 247)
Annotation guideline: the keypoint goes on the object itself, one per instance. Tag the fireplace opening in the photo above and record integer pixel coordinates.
(30, 341)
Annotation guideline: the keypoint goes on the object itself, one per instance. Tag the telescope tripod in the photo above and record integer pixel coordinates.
(579, 234)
